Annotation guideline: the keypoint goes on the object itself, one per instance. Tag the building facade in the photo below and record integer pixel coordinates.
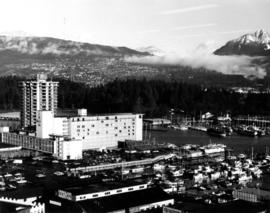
(66, 149)
(58, 147)
(96, 132)
(28, 142)
(38, 94)
(252, 194)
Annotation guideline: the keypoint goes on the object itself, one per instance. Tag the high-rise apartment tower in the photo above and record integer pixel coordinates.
(38, 94)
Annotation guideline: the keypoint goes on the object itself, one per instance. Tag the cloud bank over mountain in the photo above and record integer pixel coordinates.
(202, 57)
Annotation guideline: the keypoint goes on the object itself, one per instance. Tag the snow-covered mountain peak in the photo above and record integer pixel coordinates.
(262, 35)
(255, 44)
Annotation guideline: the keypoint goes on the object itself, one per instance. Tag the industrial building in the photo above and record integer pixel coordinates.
(59, 147)
(98, 190)
(95, 131)
(66, 137)
(38, 94)
(27, 142)
(137, 201)
(109, 197)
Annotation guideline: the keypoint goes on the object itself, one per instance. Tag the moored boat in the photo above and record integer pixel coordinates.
(228, 130)
(217, 131)
(247, 131)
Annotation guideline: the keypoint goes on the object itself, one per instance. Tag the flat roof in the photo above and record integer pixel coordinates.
(125, 200)
(23, 192)
(12, 207)
(94, 115)
(156, 119)
(233, 207)
(99, 187)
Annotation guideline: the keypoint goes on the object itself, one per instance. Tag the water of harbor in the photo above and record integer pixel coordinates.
(240, 144)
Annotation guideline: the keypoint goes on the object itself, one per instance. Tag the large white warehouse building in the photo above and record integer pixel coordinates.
(95, 131)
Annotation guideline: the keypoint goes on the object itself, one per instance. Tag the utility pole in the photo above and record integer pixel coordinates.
(171, 111)
(252, 150)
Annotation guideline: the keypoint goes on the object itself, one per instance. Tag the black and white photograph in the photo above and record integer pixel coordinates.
(135, 106)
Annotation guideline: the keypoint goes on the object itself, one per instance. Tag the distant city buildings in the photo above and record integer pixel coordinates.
(38, 94)
(250, 90)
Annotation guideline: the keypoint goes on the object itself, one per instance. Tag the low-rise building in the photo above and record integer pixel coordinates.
(98, 190)
(28, 142)
(136, 201)
(60, 147)
(130, 201)
(67, 149)
(252, 194)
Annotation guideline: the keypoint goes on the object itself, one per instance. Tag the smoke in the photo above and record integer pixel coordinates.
(199, 58)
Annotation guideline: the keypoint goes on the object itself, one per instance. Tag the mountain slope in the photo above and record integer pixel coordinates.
(54, 46)
(152, 50)
(255, 44)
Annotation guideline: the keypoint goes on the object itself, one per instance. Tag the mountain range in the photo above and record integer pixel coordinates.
(54, 46)
(253, 44)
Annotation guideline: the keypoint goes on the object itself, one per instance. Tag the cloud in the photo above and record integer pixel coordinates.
(236, 31)
(199, 58)
(180, 28)
(189, 9)
(149, 31)
(194, 26)
(15, 33)
(215, 33)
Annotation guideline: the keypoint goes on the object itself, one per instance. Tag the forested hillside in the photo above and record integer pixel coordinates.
(152, 97)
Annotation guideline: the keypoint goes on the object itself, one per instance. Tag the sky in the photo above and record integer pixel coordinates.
(171, 25)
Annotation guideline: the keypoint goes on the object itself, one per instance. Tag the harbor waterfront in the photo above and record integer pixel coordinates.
(239, 144)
